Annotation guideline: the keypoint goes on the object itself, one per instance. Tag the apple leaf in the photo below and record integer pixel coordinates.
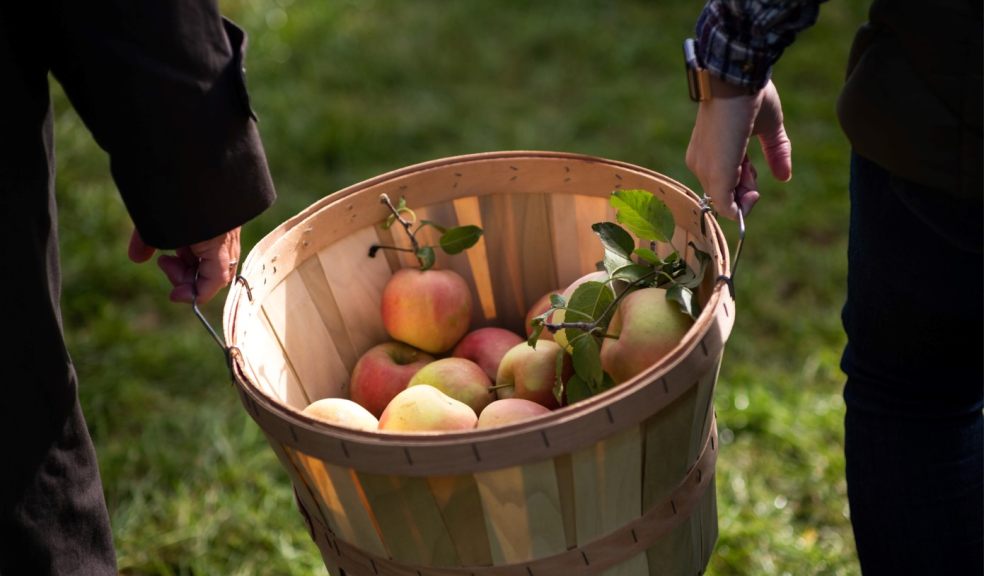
(577, 389)
(649, 256)
(557, 301)
(618, 245)
(401, 206)
(643, 214)
(431, 223)
(685, 298)
(587, 304)
(558, 388)
(633, 273)
(586, 357)
(425, 255)
(460, 238)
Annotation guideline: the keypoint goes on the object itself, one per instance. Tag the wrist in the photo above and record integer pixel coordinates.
(720, 88)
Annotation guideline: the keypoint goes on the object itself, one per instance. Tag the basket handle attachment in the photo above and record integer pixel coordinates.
(705, 207)
(230, 352)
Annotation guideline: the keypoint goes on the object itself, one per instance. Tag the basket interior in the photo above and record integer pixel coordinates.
(320, 305)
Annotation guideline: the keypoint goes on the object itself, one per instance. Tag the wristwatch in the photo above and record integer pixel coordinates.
(698, 78)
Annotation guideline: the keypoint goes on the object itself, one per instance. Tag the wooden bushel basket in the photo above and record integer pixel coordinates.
(621, 483)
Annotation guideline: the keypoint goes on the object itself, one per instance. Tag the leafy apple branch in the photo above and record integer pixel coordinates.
(453, 240)
(629, 267)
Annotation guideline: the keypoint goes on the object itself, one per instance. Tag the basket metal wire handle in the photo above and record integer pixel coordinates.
(705, 207)
(227, 351)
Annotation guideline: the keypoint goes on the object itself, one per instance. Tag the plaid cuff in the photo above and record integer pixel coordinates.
(740, 40)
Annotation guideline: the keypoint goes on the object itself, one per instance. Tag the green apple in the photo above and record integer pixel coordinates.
(647, 327)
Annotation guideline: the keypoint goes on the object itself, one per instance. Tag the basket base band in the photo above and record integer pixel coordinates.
(633, 538)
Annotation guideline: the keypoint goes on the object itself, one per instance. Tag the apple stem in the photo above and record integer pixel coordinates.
(377, 247)
(385, 199)
(498, 386)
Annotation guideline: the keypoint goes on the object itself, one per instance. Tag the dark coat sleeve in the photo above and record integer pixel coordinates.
(161, 86)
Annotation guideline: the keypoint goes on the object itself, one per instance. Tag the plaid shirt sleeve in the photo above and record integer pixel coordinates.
(740, 40)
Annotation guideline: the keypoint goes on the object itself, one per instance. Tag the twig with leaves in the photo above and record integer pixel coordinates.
(592, 305)
(453, 240)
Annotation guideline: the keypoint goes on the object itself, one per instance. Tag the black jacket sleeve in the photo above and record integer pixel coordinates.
(161, 86)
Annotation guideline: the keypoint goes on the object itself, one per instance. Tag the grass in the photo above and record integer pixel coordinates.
(349, 89)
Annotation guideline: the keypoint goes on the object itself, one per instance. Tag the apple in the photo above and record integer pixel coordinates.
(428, 309)
(486, 347)
(341, 412)
(647, 326)
(539, 307)
(509, 410)
(529, 373)
(424, 408)
(557, 317)
(459, 378)
(382, 372)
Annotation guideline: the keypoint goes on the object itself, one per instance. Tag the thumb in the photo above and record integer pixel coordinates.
(139, 251)
(778, 152)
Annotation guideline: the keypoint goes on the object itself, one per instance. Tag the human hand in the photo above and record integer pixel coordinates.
(203, 268)
(718, 150)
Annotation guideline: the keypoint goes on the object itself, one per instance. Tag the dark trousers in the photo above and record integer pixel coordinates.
(913, 430)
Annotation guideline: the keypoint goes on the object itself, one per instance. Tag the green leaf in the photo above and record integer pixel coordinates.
(460, 238)
(586, 357)
(432, 224)
(648, 256)
(614, 238)
(557, 301)
(401, 207)
(425, 255)
(685, 298)
(558, 387)
(643, 214)
(587, 304)
(577, 390)
(633, 273)
(618, 245)
(534, 336)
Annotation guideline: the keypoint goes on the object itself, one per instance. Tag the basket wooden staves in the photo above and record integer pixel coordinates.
(621, 483)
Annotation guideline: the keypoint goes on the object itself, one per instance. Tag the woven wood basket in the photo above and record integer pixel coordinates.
(622, 483)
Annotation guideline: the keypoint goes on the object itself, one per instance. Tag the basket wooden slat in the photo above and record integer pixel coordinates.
(621, 483)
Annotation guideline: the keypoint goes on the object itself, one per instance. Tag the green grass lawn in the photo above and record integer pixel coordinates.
(348, 89)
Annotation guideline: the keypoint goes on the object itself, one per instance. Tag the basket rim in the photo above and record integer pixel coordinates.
(329, 442)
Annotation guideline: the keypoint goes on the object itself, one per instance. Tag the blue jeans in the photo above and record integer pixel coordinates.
(913, 430)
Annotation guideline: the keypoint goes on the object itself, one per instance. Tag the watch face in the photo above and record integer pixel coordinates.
(690, 53)
(693, 69)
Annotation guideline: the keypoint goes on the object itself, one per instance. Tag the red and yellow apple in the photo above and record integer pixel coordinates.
(459, 378)
(508, 411)
(341, 412)
(530, 373)
(429, 309)
(382, 372)
(647, 327)
(486, 347)
(424, 408)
